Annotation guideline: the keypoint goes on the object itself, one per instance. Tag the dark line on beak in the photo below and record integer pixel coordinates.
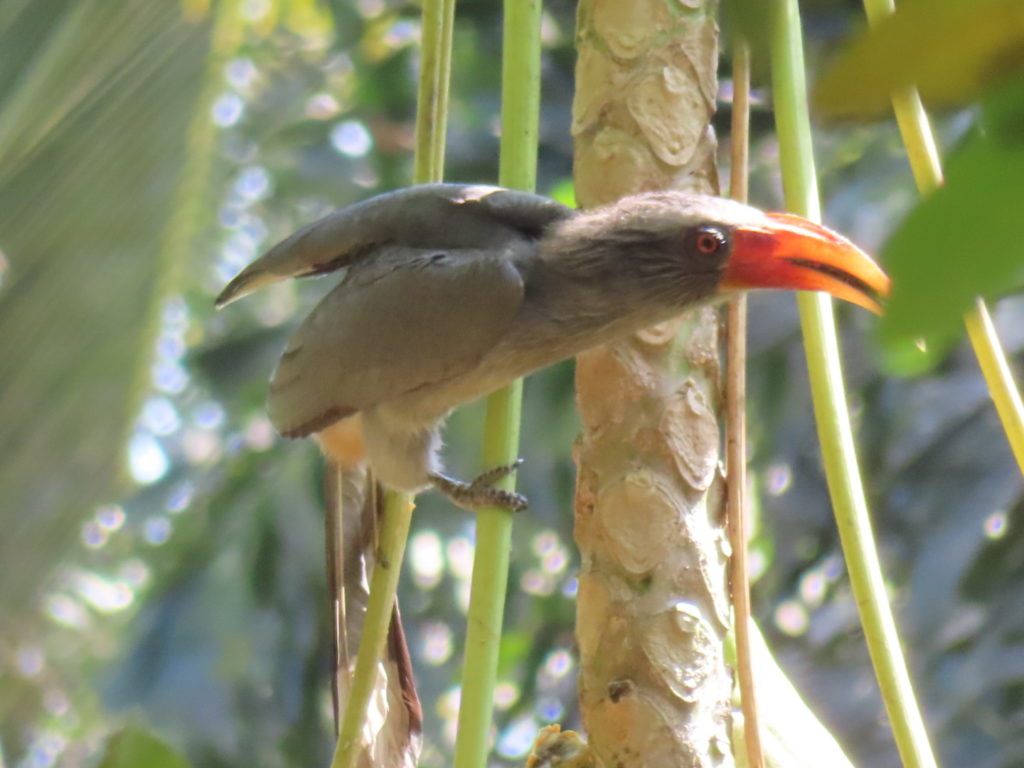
(840, 275)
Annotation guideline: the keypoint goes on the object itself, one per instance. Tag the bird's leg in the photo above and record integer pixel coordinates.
(479, 492)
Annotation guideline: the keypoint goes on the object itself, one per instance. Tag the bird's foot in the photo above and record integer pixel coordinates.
(479, 492)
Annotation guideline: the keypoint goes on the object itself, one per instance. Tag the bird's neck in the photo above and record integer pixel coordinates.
(572, 303)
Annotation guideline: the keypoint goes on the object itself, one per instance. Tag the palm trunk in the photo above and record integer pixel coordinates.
(653, 608)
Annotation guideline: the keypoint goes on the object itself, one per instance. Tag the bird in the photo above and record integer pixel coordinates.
(449, 292)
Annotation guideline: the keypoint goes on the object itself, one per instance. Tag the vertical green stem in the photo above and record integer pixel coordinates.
(924, 162)
(520, 108)
(828, 393)
(432, 94)
(428, 165)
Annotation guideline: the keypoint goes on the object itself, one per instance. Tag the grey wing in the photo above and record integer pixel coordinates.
(426, 216)
(410, 319)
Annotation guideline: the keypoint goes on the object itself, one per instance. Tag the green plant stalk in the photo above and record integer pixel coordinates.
(432, 93)
(520, 110)
(428, 165)
(830, 409)
(394, 531)
(924, 162)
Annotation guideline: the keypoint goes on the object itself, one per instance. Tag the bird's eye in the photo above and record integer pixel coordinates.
(709, 240)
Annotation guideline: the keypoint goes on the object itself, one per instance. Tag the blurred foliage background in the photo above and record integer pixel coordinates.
(162, 549)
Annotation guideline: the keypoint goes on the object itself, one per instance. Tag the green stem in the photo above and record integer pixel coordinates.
(520, 108)
(394, 530)
(428, 165)
(830, 409)
(924, 162)
(432, 94)
(998, 376)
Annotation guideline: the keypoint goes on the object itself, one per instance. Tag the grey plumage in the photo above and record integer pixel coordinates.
(451, 291)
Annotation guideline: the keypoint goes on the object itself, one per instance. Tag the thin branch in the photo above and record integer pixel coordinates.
(736, 423)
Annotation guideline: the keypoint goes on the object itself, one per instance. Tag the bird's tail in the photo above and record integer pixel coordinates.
(393, 730)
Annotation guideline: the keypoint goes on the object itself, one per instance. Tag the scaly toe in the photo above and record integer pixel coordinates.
(473, 497)
(491, 476)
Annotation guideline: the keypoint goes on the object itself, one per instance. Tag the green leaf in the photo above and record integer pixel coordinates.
(93, 125)
(962, 241)
(133, 747)
(753, 20)
(951, 50)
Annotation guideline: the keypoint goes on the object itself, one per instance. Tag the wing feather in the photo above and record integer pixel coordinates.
(448, 216)
(405, 320)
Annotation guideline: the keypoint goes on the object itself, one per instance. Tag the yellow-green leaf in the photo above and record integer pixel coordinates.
(951, 50)
(961, 241)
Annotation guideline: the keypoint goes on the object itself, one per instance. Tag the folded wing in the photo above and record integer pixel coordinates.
(450, 216)
(397, 323)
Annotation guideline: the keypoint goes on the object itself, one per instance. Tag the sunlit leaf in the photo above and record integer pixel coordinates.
(952, 50)
(95, 104)
(134, 747)
(753, 20)
(964, 240)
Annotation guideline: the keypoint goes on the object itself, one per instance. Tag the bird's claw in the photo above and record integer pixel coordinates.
(479, 492)
(491, 476)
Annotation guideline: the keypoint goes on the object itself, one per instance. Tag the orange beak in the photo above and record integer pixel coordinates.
(792, 253)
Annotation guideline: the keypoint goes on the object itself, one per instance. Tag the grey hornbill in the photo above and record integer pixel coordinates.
(451, 291)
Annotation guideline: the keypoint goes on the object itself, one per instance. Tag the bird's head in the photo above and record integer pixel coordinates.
(683, 248)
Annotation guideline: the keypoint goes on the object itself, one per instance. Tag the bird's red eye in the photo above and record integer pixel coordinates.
(708, 240)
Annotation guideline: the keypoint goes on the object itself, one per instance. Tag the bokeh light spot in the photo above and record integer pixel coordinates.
(437, 643)
(253, 183)
(66, 610)
(426, 558)
(460, 557)
(791, 618)
(995, 525)
(146, 458)
(549, 709)
(535, 582)
(93, 536)
(110, 517)
(812, 587)
(105, 595)
(157, 530)
(160, 417)
(322, 106)
(240, 72)
(134, 572)
(30, 660)
(515, 740)
(351, 138)
(778, 479)
(180, 497)
(259, 433)
(505, 695)
(557, 665)
(228, 110)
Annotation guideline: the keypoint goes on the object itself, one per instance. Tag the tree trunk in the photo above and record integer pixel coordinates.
(653, 608)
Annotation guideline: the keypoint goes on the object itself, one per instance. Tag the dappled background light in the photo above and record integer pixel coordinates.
(192, 598)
